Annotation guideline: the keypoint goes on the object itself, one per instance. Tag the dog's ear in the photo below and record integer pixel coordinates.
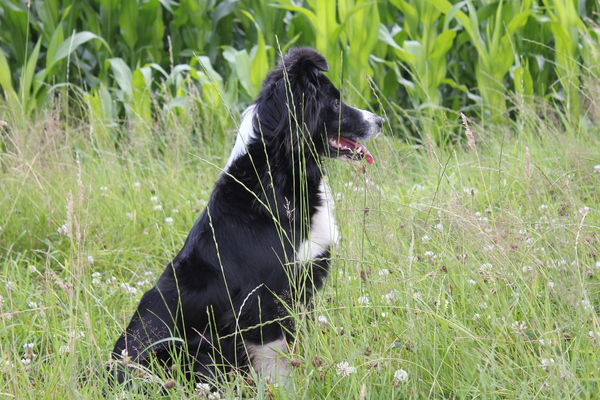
(303, 65)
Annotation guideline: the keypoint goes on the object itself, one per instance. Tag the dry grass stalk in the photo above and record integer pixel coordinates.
(469, 134)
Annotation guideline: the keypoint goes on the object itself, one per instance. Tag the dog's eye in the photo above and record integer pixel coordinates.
(336, 104)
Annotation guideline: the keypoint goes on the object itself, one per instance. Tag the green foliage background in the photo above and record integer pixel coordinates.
(432, 57)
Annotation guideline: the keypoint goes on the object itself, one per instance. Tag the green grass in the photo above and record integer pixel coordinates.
(477, 274)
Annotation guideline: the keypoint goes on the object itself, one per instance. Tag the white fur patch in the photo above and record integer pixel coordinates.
(372, 120)
(268, 360)
(244, 136)
(323, 229)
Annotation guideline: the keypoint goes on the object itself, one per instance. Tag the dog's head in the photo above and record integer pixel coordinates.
(298, 100)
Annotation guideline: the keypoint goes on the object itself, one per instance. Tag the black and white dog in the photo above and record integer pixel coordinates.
(262, 244)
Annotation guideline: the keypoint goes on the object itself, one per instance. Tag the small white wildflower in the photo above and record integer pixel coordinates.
(527, 269)
(401, 376)
(32, 304)
(384, 315)
(169, 221)
(546, 363)
(128, 289)
(476, 316)
(158, 207)
(154, 199)
(417, 295)
(323, 320)
(26, 361)
(439, 227)
(364, 300)
(597, 169)
(129, 216)
(136, 185)
(384, 272)
(63, 230)
(542, 342)
(345, 369)
(584, 210)
(543, 208)
(32, 269)
(472, 282)
(390, 297)
(176, 211)
(90, 259)
(64, 349)
(587, 305)
(425, 239)
(519, 327)
(594, 335)
(551, 285)
(103, 188)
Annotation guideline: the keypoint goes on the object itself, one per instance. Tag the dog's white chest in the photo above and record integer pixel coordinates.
(323, 229)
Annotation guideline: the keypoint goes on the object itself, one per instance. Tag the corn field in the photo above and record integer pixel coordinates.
(432, 58)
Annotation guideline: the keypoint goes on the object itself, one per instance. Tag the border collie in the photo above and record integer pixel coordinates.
(262, 245)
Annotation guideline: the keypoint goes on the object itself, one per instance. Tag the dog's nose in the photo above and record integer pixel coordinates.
(380, 122)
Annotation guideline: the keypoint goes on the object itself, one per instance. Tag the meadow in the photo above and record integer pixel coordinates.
(469, 265)
(460, 274)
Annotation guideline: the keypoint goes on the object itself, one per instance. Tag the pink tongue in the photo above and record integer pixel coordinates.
(360, 148)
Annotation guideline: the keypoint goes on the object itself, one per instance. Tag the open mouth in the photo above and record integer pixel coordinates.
(344, 147)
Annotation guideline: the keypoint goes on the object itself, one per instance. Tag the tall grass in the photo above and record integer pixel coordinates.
(460, 274)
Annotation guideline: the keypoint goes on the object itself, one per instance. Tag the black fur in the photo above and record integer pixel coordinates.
(238, 268)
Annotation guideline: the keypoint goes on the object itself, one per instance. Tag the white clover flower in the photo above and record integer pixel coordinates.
(169, 221)
(129, 216)
(519, 327)
(546, 363)
(527, 269)
(472, 282)
(439, 227)
(26, 361)
(136, 185)
(551, 285)
(543, 208)
(176, 211)
(594, 335)
(90, 259)
(401, 376)
(63, 230)
(154, 199)
(103, 188)
(384, 272)
(323, 320)
(63, 349)
(425, 239)
(597, 169)
(364, 300)
(128, 289)
(390, 297)
(584, 210)
(384, 315)
(158, 207)
(345, 369)
(587, 305)
(429, 254)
